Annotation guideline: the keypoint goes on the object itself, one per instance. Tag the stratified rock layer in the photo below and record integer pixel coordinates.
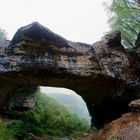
(104, 74)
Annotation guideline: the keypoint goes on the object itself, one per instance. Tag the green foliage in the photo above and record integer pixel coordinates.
(54, 116)
(48, 117)
(4, 132)
(74, 104)
(16, 129)
(125, 17)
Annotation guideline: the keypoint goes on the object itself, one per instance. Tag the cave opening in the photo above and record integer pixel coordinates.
(70, 99)
(42, 109)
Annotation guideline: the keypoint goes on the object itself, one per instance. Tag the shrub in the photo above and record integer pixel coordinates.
(4, 132)
(16, 129)
(48, 117)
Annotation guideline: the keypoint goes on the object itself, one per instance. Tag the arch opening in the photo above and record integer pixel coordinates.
(70, 99)
(48, 108)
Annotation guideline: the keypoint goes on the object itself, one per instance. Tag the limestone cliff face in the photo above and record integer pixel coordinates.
(104, 74)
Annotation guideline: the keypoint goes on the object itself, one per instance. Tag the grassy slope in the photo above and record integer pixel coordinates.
(48, 117)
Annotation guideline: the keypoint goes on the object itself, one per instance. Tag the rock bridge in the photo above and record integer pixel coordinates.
(104, 74)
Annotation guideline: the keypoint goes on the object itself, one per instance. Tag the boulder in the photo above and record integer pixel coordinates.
(135, 105)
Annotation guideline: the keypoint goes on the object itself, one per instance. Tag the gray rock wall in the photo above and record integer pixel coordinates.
(104, 74)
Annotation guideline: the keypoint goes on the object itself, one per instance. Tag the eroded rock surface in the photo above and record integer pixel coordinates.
(104, 74)
(126, 127)
(135, 105)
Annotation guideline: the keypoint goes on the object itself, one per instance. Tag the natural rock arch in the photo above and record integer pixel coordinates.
(104, 74)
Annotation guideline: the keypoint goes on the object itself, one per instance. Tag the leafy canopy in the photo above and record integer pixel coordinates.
(48, 117)
(124, 16)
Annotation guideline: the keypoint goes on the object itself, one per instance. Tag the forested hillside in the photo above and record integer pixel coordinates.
(74, 104)
(47, 118)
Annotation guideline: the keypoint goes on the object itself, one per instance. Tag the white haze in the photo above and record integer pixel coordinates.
(76, 20)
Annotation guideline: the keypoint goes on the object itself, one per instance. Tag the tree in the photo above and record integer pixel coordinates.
(47, 117)
(124, 16)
